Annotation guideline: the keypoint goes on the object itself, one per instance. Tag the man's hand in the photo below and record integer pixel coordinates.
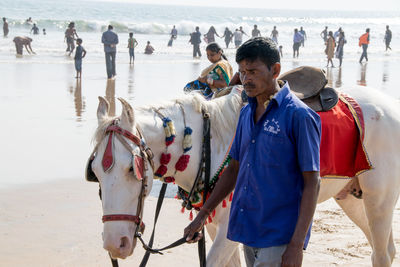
(293, 256)
(194, 227)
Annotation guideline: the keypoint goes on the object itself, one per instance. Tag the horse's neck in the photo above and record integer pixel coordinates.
(153, 132)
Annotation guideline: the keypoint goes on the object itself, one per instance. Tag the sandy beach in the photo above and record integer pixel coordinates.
(49, 215)
(59, 224)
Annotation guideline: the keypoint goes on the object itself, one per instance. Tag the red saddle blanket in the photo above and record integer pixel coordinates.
(343, 154)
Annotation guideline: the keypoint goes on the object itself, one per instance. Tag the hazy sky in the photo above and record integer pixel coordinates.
(354, 5)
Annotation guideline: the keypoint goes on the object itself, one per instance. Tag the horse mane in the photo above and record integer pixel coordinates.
(223, 112)
(101, 129)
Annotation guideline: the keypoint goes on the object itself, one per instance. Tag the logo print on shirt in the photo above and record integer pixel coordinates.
(272, 126)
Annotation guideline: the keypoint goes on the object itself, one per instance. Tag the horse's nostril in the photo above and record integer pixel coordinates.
(124, 242)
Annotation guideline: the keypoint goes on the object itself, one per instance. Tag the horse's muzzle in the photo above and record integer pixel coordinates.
(120, 247)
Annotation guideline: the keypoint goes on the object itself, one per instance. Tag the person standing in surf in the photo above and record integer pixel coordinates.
(80, 53)
(70, 34)
(195, 40)
(227, 36)
(5, 27)
(132, 43)
(110, 41)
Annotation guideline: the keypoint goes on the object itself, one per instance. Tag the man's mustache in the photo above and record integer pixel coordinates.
(249, 85)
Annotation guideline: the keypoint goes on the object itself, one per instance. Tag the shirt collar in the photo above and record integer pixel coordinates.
(278, 98)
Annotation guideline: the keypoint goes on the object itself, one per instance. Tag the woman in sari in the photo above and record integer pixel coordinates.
(330, 48)
(216, 76)
(339, 50)
(209, 36)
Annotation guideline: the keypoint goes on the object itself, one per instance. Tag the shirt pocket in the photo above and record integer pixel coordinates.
(273, 149)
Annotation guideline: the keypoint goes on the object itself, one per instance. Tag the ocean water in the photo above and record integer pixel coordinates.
(154, 22)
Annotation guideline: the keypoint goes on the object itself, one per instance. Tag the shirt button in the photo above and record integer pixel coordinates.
(253, 141)
(248, 164)
(245, 188)
(241, 210)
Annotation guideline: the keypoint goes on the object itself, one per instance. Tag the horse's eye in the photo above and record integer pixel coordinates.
(131, 169)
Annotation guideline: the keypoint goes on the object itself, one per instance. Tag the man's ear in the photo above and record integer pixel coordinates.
(276, 68)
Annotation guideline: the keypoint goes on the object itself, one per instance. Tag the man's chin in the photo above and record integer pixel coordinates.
(250, 92)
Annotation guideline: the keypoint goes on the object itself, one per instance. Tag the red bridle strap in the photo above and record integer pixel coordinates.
(127, 134)
(121, 217)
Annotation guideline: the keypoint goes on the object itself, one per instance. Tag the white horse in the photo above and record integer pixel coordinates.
(120, 191)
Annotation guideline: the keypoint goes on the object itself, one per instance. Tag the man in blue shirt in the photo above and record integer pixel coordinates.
(274, 167)
(297, 39)
(110, 41)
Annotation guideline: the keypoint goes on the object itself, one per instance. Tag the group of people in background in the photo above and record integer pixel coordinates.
(236, 37)
(334, 42)
(337, 40)
(110, 42)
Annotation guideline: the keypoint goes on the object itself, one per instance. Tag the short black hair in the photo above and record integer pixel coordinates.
(262, 48)
(79, 40)
(110, 27)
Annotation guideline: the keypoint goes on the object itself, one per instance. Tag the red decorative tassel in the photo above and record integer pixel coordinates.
(165, 158)
(209, 219)
(213, 213)
(224, 203)
(176, 196)
(161, 171)
(183, 209)
(169, 179)
(191, 216)
(169, 142)
(182, 163)
(231, 196)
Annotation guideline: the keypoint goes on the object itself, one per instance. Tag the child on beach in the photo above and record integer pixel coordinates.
(35, 29)
(149, 49)
(80, 53)
(132, 43)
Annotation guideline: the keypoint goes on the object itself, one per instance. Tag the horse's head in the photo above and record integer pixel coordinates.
(119, 163)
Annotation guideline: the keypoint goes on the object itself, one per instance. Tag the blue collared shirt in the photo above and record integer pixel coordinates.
(272, 155)
(298, 37)
(110, 41)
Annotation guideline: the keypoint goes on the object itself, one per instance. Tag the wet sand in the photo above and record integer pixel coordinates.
(50, 217)
(59, 224)
(50, 118)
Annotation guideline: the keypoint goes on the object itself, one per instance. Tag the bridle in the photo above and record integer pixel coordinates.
(139, 165)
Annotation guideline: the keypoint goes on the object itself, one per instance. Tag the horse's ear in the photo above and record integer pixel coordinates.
(102, 109)
(127, 116)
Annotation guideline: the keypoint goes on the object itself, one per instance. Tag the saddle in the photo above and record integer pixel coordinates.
(309, 84)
